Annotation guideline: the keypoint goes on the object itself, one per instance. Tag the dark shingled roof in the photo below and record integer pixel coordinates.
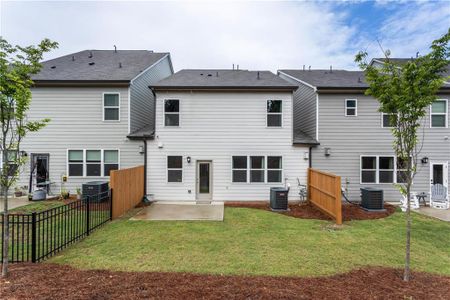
(146, 132)
(330, 79)
(102, 65)
(223, 79)
(302, 138)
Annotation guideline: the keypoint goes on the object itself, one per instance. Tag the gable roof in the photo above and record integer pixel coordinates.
(223, 79)
(326, 79)
(97, 66)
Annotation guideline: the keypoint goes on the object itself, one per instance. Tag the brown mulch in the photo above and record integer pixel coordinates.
(308, 211)
(50, 281)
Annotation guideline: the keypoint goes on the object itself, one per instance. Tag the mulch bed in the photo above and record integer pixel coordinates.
(49, 281)
(308, 211)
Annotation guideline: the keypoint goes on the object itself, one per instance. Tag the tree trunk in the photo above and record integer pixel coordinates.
(406, 274)
(5, 235)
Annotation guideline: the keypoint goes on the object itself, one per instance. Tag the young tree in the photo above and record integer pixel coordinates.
(405, 91)
(17, 64)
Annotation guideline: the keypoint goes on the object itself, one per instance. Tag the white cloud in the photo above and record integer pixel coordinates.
(255, 35)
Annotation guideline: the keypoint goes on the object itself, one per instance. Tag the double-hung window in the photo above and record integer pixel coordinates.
(96, 163)
(239, 168)
(76, 162)
(171, 112)
(11, 166)
(174, 168)
(389, 120)
(439, 111)
(386, 169)
(402, 167)
(257, 168)
(93, 162)
(274, 169)
(274, 113)
(111, 107)
(351, 107)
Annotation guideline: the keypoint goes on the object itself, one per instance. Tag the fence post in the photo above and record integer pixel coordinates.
(338, 199)
(110, 204)
(33, 237)
(88, 215)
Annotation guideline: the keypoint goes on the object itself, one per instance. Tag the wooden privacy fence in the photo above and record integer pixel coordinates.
(324, 192)
(128, 189)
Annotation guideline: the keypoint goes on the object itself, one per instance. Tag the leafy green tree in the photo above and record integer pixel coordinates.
(405, 91)
(17, 65)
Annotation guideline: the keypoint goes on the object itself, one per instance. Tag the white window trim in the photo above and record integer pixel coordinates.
(439, 114)
(84, 163)
(240, 169)
(356, 107)
(103, 107)
(264, 169)
(382, 123)
(172, 113)
(267, 169)
(277, 113)
(175, 169)
(249, 169)
(377, 170)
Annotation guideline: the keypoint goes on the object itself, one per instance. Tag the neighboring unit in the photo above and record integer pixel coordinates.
(95, 99)
(355, 138)
(224, 135)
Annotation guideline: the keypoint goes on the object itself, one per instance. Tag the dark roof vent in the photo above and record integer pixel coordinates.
(209, 75)
(120, 65)
(217, 74)
(73, 58)
(92, 63)
(359, 79)
(257, 76)
(309, 68)
(90, 54)
(115, 49)
(201, 74)
(53, 67)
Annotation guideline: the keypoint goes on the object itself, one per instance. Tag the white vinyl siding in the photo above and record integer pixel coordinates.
(215, 126)
(439, 114)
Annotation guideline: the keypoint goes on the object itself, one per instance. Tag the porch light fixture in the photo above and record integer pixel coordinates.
(141, 149)
(425, 160)
(188, 159)
(327, 151)
(23, 153)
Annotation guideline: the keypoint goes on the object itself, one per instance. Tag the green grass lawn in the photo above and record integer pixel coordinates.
(37, 206)
(257, 242)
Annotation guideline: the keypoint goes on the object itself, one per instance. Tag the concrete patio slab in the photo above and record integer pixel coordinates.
(14, 202)
(441, 214)
(181, 211)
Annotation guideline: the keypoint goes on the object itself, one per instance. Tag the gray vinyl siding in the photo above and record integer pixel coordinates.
(142, 100)
(305, 118)
(351, 137)
(76, 123)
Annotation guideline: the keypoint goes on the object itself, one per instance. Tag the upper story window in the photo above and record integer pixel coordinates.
(388, 120)
(111, 107)
(274, 113)
(351, 107)
(174, 168)
(171, 112)
(439, 110)
(92, 162)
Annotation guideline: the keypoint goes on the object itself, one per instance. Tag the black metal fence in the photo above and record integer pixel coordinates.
(39, 235)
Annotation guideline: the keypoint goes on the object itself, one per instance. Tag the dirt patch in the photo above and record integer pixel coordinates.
(48, 281)
(308, 211)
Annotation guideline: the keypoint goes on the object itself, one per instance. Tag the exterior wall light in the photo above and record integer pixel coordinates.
(141, 149)
(425, 160)
(327, 151)
(188, 159)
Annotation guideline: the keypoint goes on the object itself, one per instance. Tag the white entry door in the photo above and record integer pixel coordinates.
(204, 180)
(439, 173)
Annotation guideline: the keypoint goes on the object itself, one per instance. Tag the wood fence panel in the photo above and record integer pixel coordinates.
(324, 192)
(128, 189)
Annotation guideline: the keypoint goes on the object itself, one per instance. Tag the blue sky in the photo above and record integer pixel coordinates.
(216, 34)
